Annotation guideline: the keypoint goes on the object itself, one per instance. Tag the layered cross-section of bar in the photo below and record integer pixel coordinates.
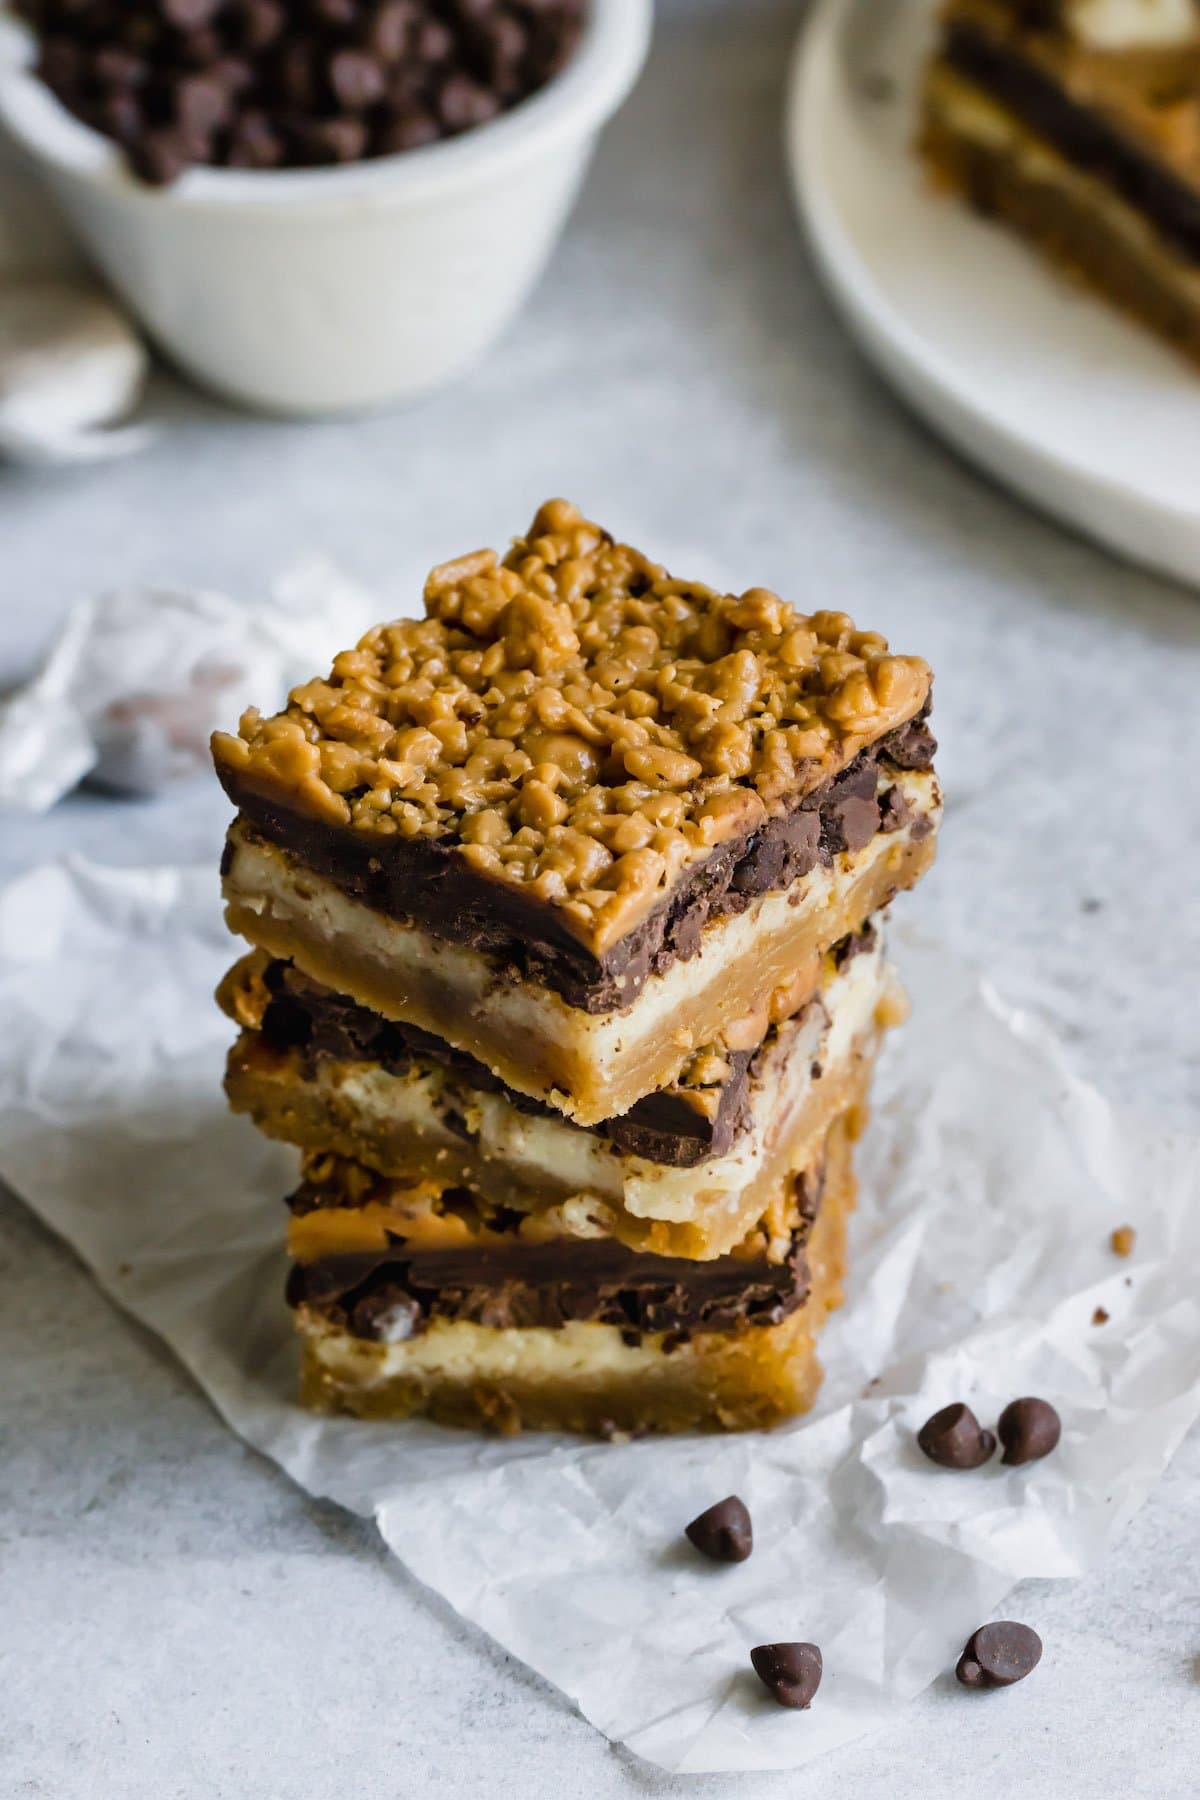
(478, 1316)
(1077, 123)
(688, 1171)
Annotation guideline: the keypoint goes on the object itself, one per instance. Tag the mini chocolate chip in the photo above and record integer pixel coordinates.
(262, 22)
(120, 117)
(791, 1671)
(954, 1438)
(254, 145)
(462, 104)
(723, 1531)
(200, 49)
(201, 104)
(119, 68)
(388, 31)
(407, 132)
(60, 64)
(190, 15)
(1029, 1429)
(997, 1655)
(357, 79)
(435, 41)
(337, 140)
(159, 157)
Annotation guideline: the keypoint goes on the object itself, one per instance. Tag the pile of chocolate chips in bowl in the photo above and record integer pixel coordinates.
(272, 84)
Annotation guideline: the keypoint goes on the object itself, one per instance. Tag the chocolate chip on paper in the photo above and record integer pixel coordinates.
(1029, 1429)
(954, 1439)
(723, 1531)
(998, 1655)
(792, 1672)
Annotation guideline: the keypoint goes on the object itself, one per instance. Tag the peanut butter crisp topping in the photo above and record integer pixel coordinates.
(577, 729)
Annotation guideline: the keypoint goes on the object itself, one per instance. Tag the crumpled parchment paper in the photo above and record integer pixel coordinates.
(992, 1178)
(138, 680)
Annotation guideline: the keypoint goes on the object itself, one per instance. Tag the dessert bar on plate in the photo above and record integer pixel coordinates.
(1078, 123)
(583, 816)
(567, 977)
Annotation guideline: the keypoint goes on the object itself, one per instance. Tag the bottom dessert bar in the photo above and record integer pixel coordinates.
(473, 1324)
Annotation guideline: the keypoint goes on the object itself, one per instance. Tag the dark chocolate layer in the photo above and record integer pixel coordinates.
(424, 881)
(397, 1292)
(1086, 137)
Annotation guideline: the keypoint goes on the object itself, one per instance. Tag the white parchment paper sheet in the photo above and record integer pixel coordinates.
(992, 1178)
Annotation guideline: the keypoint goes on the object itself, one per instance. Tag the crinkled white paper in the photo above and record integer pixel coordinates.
(138, 681)
(992, 1179)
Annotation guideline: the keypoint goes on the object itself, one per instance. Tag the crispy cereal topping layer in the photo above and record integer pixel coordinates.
(579, 722)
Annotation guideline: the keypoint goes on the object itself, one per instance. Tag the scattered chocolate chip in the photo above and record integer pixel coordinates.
(723, 1531)
(1100, 1316)
(1028, 1429)
(1122, 1240)
(791, 1671)
(997, 1655)
(954, 1438)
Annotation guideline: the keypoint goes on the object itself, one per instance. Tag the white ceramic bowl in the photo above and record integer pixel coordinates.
(320, 290)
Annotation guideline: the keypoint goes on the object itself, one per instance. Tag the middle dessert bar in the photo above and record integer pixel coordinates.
(578, 820)
(686, 1172)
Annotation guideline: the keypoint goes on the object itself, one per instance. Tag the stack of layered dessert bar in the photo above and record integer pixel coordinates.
(567, 977)
(1077, 122)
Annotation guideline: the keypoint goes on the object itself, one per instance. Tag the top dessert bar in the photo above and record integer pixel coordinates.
(575, 767)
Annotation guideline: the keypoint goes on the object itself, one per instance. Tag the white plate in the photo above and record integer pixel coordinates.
(1051, 391)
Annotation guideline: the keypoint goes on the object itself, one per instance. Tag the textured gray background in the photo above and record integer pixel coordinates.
(175, 1619)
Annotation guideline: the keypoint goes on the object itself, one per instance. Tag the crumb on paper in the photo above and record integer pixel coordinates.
(1122, 1240)
(1100, 1316)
